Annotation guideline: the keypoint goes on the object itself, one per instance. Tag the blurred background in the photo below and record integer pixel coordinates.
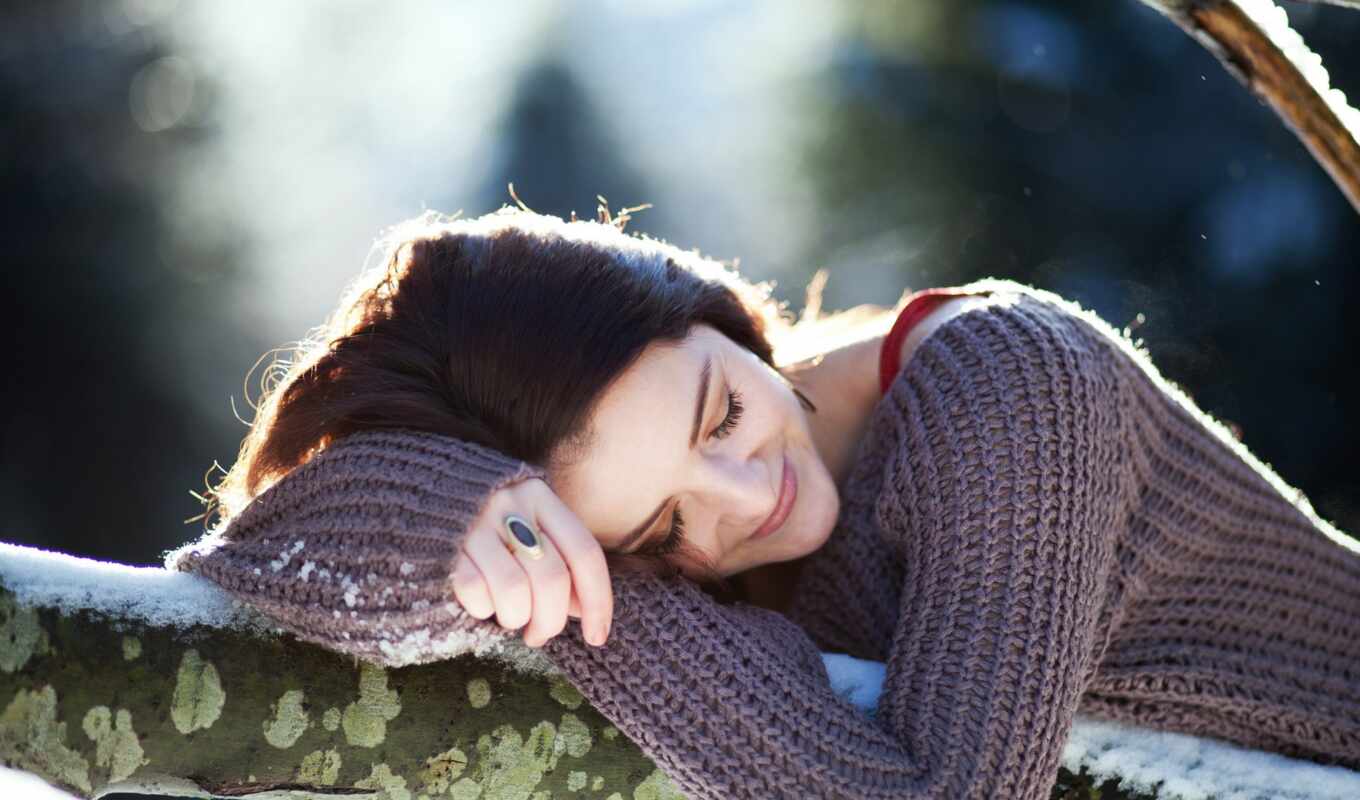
(187, 185)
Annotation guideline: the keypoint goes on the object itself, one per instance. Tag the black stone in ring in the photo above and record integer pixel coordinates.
(522, 532)
(522, 536)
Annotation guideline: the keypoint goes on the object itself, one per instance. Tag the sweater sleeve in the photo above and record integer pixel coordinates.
(998, 496)
(353, 549)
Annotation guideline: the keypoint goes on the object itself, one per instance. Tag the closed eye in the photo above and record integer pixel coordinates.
(734, 409)
(676, 536)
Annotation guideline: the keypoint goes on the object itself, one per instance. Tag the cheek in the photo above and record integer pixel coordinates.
(776, 399)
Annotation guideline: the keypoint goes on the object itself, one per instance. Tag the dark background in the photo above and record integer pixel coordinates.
(159, 235)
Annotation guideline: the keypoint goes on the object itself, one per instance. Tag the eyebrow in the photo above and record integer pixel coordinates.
(705, 375)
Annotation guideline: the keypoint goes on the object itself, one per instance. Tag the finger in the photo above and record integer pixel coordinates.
(506, 578)
(574, 605)
(470, 589)
(550, 586)
(585, 559)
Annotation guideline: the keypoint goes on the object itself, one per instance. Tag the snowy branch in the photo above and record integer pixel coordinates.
(116, 678)
(1253, 41)
(137, 679)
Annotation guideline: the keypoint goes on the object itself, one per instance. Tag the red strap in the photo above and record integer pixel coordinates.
(920, 304)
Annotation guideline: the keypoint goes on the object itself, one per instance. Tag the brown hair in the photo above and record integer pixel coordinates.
(505, 330)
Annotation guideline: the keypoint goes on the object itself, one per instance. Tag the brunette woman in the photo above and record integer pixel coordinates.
(986, 487)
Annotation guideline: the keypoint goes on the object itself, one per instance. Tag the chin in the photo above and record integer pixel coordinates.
(817, 530)
(826, 502)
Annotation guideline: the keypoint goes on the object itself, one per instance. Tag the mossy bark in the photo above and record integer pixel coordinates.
(87, 702)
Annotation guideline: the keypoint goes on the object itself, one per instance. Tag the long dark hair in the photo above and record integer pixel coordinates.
(504, 330)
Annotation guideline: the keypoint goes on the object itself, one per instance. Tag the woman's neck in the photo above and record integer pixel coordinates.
(844, 387)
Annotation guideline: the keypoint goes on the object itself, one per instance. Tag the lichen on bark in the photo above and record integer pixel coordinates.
(244, 711)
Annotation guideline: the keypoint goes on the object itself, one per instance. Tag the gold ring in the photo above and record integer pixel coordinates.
(520, 536)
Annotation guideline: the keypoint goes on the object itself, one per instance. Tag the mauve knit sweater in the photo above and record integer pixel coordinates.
(1037, 523)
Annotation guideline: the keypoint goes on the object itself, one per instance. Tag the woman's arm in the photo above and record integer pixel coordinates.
(352, 550)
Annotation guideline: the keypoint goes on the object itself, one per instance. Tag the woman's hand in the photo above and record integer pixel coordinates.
(572, 578)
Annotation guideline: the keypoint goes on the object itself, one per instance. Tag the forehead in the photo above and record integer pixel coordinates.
(638, 434)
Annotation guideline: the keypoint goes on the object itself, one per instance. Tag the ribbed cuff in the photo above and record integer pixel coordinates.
(354, 548)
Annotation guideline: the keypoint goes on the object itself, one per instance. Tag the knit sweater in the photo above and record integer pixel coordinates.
(1036, 523)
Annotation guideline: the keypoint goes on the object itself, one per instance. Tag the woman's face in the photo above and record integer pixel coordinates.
(724, 487)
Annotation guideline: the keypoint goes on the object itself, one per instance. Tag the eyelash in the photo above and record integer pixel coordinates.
(724, 429)
(734, 409)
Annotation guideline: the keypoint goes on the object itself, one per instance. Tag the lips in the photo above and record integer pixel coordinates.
(788, 492)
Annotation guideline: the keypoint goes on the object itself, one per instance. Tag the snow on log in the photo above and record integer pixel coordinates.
(138, 679)
(117, 678)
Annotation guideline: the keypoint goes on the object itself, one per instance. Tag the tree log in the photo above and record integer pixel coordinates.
(93, 702)
(116, 678)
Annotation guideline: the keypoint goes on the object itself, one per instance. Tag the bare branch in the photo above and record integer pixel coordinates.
(1253, 41)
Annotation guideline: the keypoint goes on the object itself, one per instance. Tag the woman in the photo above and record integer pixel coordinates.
(1011, 508)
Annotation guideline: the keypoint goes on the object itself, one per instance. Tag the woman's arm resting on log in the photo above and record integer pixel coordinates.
(353, 549)
(1003, 498)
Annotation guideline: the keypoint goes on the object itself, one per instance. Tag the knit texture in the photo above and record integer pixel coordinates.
(353, 549)
(1036, 523)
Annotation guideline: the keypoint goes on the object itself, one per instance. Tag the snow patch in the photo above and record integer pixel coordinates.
(152, 595)
(17, 783)
(1186, 767)
(1274, 23)
(1193, 768)
(287, 555)
(856, 680)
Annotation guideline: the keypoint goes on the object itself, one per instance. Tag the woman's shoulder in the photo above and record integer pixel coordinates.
(1020, 316)
(931, 314)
